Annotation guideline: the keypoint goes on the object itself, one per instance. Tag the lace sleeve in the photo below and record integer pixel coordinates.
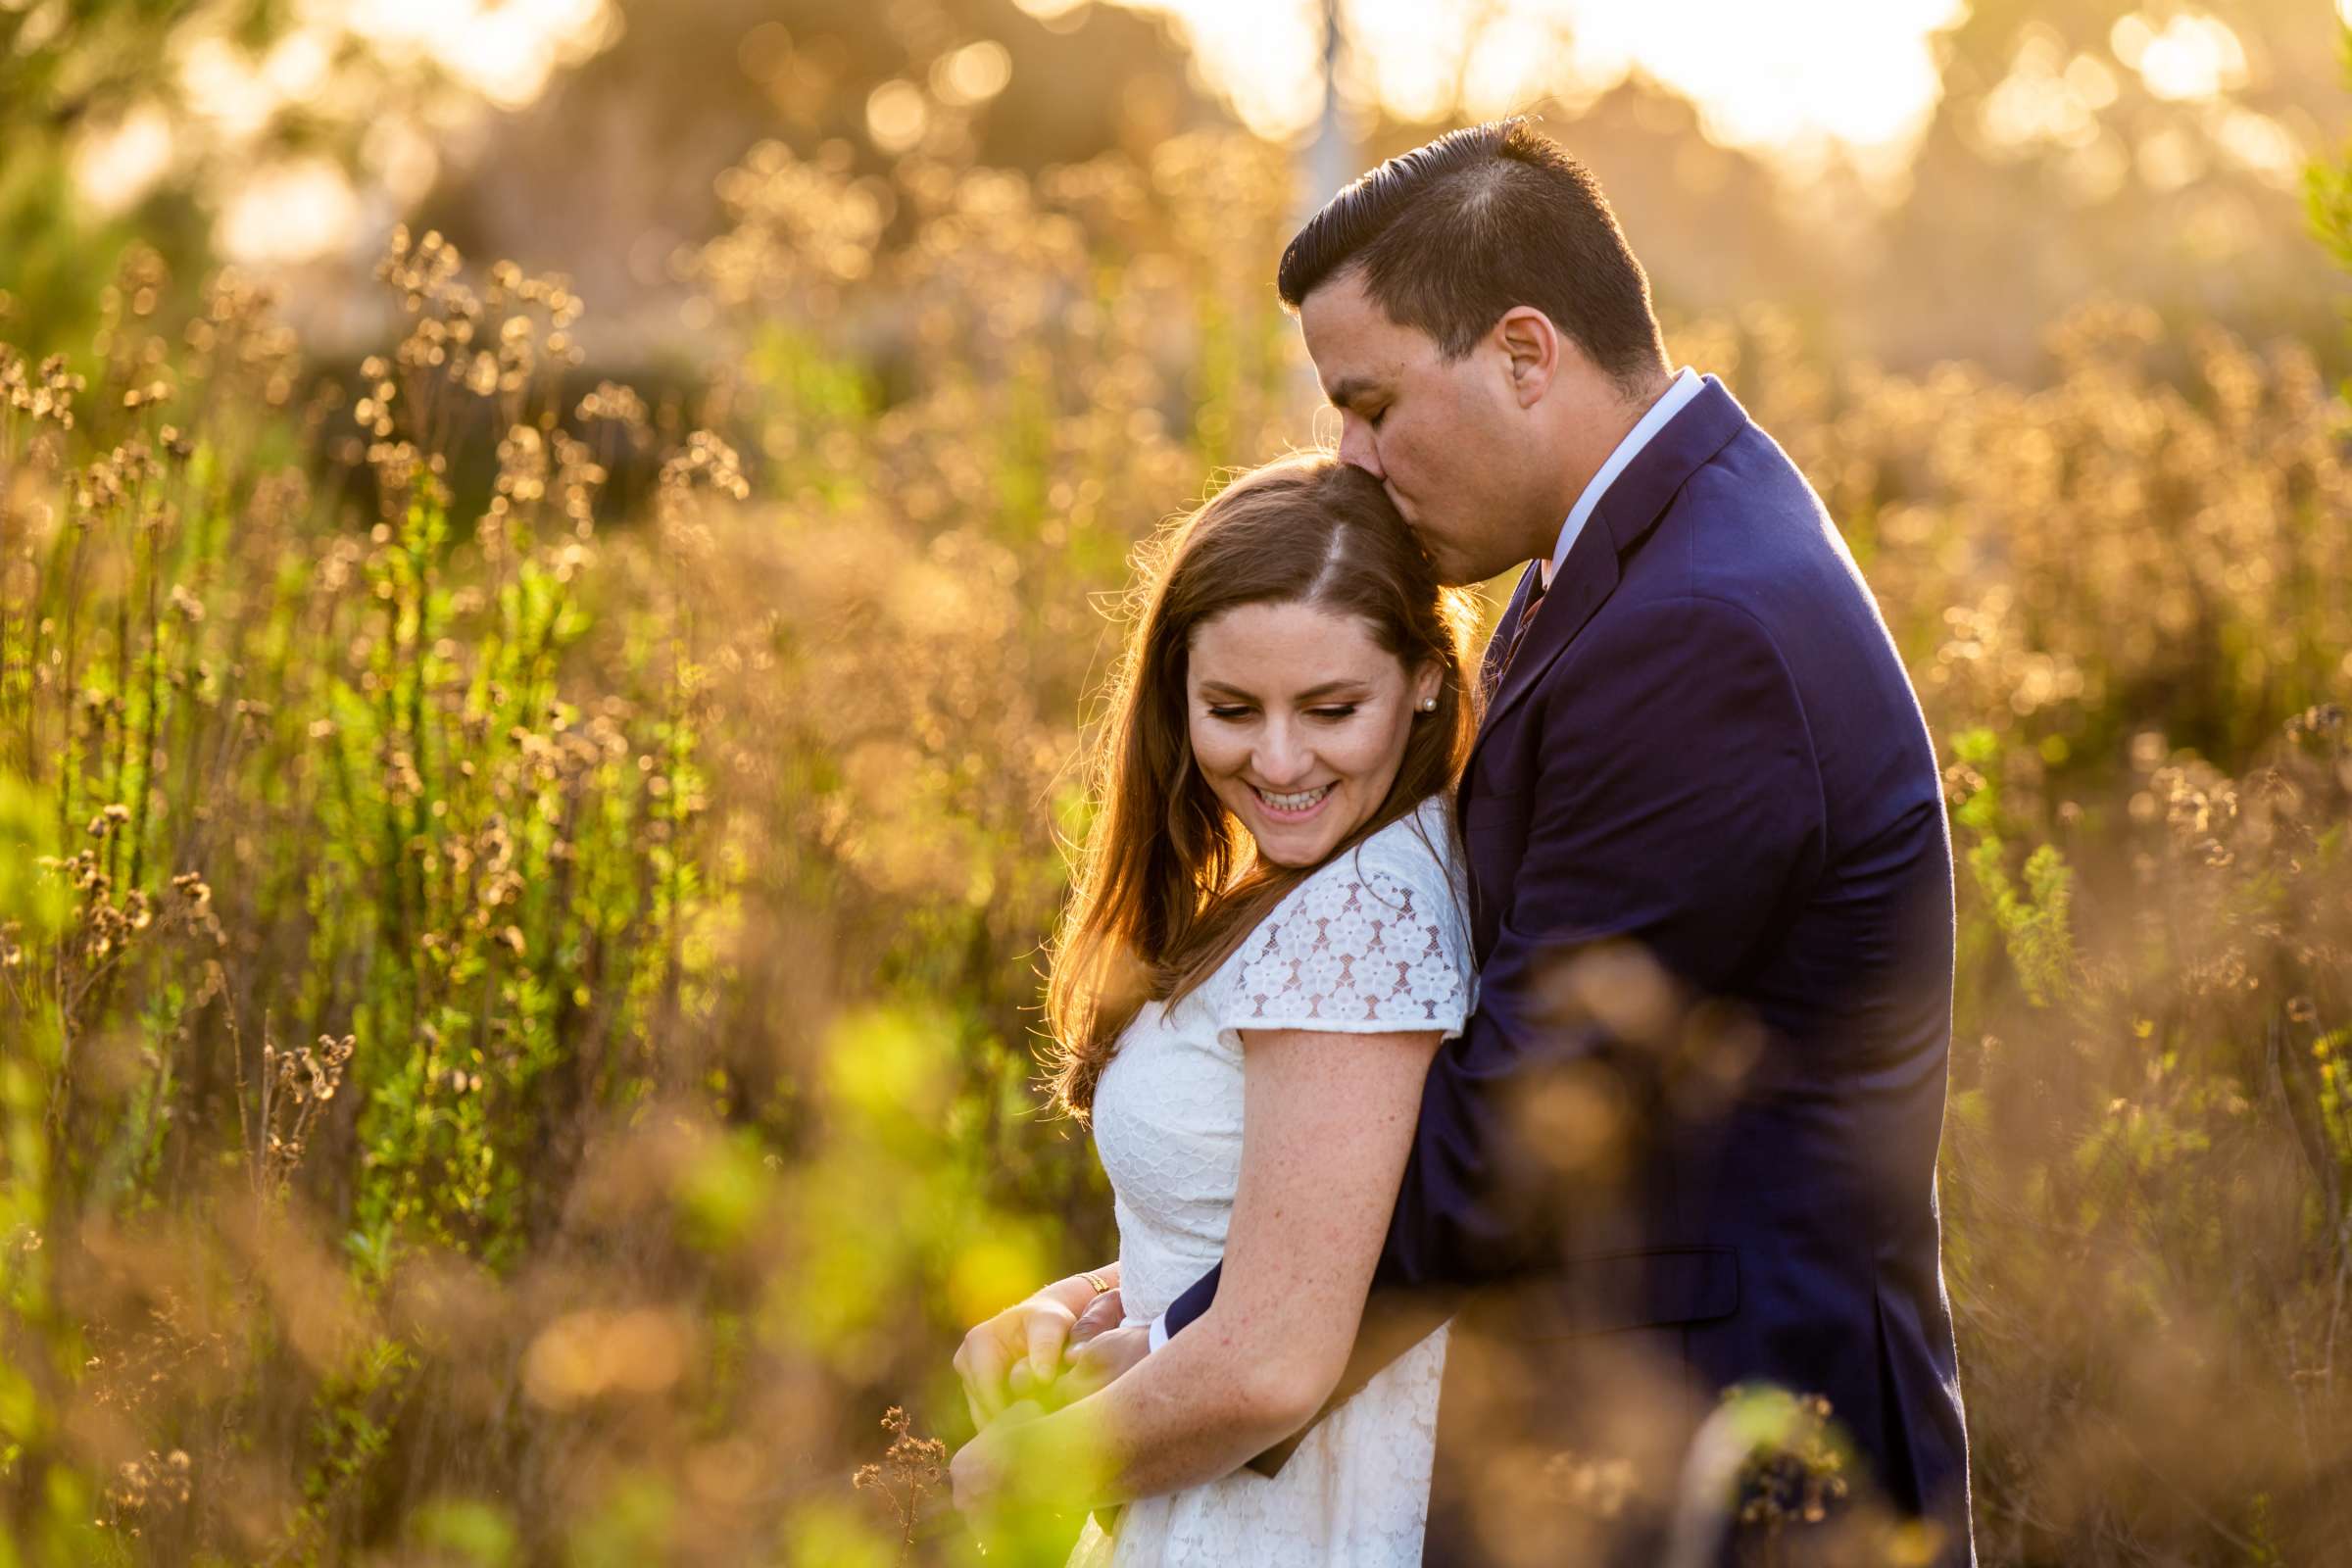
(1360, 951)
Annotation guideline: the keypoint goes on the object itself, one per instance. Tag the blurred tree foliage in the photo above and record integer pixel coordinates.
(64, 69)
(2327, 184)
(59, 63)
(615, 166)
(178, 105)
(2106, 148)
(2062, 163)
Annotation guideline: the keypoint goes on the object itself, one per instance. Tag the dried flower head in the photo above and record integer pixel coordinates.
(911, 1468)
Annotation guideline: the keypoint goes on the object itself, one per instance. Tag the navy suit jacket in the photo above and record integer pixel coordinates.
(1706, 743)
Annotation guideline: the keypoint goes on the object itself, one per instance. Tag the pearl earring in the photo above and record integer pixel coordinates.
(1429, 704)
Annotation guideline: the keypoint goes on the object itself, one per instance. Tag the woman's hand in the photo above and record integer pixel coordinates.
(1028, 1335)
(1021, 1489)
(980, 1469)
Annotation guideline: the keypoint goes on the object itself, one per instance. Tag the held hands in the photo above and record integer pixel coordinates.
(1095, 1360)
(1048, 1350)
(1020, 1352)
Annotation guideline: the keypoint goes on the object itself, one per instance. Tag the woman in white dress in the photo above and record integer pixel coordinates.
(1265, 948)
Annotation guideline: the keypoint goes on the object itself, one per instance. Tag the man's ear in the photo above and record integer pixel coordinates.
(1532, 345)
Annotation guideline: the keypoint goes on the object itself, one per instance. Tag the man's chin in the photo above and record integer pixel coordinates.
(1489, 565)
(1458, 571)
(1455, 569)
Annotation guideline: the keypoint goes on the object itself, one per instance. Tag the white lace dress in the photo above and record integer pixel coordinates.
(1374, 941)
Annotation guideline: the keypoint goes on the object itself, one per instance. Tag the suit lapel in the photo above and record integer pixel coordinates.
(1625, 515)
(1581, 586)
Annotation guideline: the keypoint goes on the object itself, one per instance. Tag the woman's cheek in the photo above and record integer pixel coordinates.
(1205, 749)
(1378, 746)
(1219, 751)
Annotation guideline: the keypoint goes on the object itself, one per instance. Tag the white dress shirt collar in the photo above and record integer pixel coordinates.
(1671, 402)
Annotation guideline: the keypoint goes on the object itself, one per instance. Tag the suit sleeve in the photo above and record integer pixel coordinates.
(1673, 802)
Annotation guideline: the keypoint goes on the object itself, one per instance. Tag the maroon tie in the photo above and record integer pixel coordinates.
(1527, 619)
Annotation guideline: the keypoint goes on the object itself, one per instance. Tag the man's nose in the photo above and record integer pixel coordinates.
(1357, 446)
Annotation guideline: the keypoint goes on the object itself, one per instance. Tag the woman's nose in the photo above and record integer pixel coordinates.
(1282, 758)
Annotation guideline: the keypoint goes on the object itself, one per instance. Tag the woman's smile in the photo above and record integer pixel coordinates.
(1294, 805)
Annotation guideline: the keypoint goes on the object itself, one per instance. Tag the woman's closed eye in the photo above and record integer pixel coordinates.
(1229, 711)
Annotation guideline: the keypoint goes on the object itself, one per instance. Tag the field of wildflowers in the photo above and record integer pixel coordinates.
(518, 981)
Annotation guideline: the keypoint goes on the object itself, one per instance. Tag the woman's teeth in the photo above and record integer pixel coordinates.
(1294, 802)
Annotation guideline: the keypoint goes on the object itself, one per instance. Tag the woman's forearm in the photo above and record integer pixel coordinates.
(1328, 1120)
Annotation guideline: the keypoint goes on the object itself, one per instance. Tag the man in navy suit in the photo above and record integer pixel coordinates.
(1701, 741)
(1687, 1139)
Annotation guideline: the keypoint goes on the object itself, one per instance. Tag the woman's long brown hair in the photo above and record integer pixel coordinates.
(1170, 882)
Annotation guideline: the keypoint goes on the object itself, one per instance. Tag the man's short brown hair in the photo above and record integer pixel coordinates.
(1453, 233)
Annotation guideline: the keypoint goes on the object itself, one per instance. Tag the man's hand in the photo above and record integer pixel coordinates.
(1102, 1314)
(1101, 1361)
(1029, 1334)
